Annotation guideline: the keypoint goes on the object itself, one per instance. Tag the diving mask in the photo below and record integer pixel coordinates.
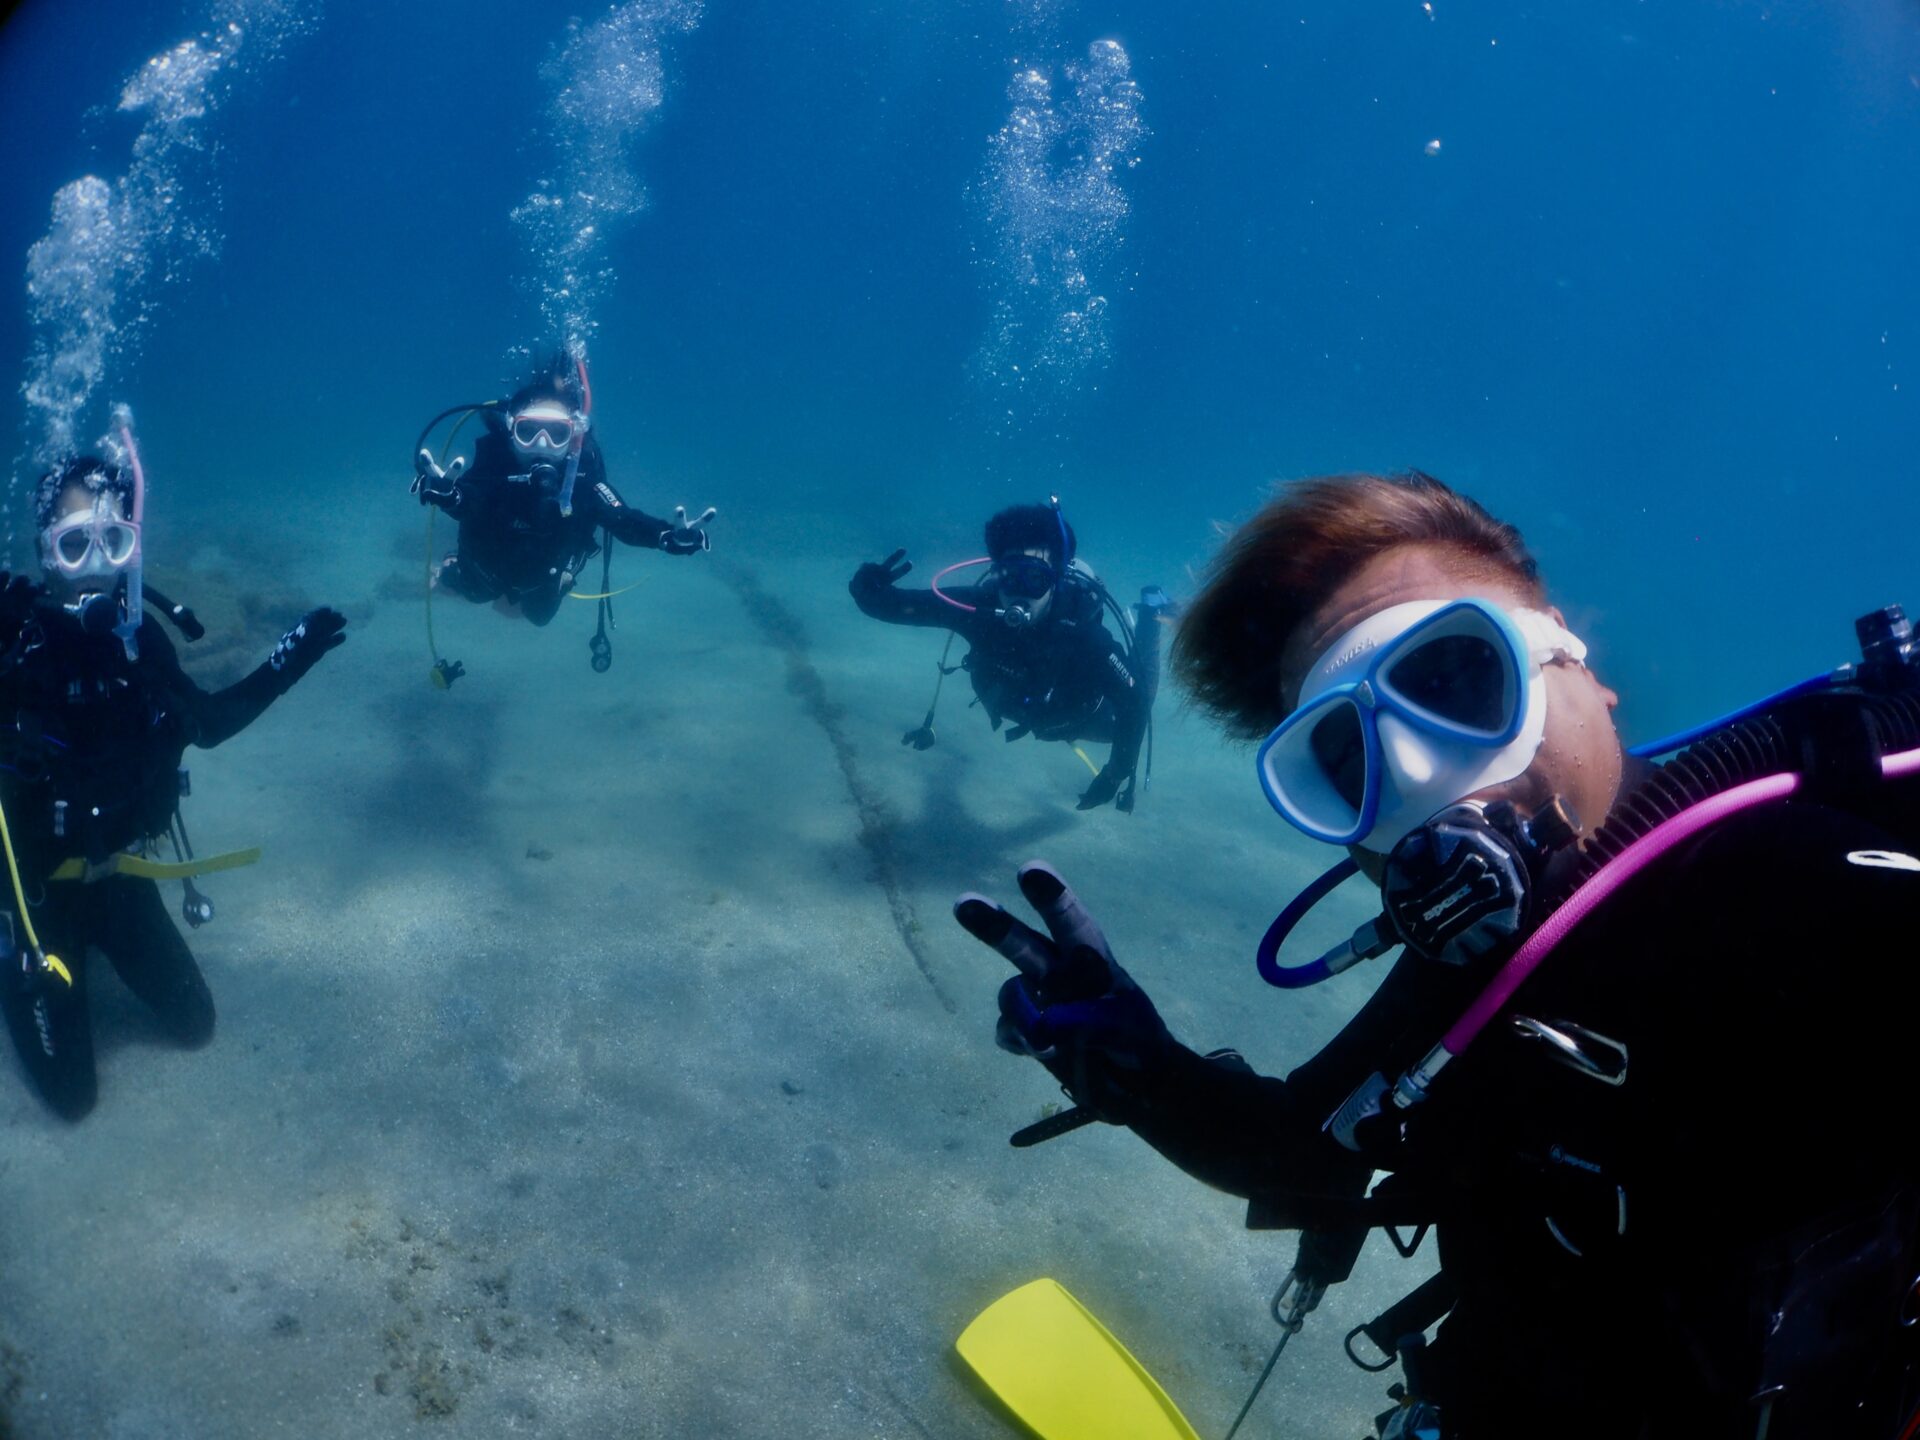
(92, 543)
(1023, 577)
(545, 430)
(1413, 709)
(1024, 584)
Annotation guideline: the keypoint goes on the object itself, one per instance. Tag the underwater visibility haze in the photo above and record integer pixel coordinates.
(595, 1052)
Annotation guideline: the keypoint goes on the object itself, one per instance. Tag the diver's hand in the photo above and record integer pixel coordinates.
(300, 648)
(1104, 787)
(1071, 1007)
(434, 485)
(687, 537)
(877, 575)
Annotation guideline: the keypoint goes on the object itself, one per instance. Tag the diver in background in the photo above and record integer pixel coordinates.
(1039, 653)
(97, 714)
(531, 505)
(1669, 1173)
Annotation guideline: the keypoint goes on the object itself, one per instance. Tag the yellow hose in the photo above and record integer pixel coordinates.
(52, 962)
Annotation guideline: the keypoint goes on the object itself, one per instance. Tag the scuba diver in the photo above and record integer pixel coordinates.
(100, 714)
(535, 505)
(1633, 1066)
(1039, 653)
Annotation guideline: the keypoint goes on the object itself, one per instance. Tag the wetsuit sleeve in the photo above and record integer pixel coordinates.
(1261, 1138)
(216, 716)
(469, 498)
(1248, 1134)
(605, 507)
(916, 607)
(472, 491)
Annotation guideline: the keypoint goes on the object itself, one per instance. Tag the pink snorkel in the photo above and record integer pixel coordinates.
(1412, 1086)
(579, 434)
(934, 584)
(129, 628)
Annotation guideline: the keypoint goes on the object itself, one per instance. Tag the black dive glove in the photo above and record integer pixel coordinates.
(1071, 1007)
(877, 575)
(687, 537)
(435, 486)
(300, 648)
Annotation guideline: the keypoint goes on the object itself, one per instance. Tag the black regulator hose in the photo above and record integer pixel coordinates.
(184, 618)
(421, 443)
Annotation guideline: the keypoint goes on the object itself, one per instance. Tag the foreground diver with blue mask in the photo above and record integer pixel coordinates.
(97, 716)
(1615, 1068)
(1040, 657)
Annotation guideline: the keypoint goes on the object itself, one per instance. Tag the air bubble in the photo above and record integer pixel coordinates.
(110, 242)
(1054, 208)
(608, 83)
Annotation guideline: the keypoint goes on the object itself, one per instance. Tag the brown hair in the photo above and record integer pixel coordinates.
(1278, 567)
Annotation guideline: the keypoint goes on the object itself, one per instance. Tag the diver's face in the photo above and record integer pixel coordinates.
(1026, 579)
(88, 545)
(1580, 756)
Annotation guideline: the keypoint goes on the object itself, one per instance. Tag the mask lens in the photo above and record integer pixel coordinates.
(72, 545)
(1314, 769)
(1340, 750)
(1462, 678)
(117, 541)
(531, 430)
(1026, 577)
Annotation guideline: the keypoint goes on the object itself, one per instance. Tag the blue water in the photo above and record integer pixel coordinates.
(1653, 298)
(1652, 295)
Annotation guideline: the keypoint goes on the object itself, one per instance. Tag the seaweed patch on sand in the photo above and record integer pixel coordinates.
(782, 629)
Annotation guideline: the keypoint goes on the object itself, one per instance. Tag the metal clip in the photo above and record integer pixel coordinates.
(1575, 1046)
(1294, 1299)
(1291, 1302)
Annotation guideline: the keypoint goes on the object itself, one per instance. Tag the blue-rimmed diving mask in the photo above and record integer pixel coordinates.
(1412, 710)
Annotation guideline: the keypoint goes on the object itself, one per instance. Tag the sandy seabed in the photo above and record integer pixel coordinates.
(597, 1056)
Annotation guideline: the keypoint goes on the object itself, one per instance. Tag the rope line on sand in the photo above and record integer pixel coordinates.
(782, 629)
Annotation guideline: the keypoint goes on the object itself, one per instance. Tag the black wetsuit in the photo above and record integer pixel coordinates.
(1064, 678)
(515, 544)
(104, 735)
(1758, 979)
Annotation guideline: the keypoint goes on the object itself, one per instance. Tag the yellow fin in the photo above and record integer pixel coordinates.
(1062, 1372)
